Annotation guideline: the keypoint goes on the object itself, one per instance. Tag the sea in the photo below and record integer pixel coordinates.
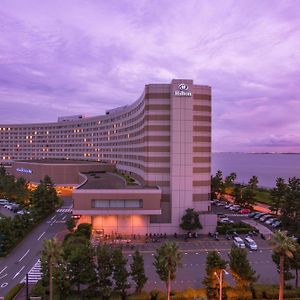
(267, 166)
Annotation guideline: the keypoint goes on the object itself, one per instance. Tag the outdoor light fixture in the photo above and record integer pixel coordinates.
(220, 279)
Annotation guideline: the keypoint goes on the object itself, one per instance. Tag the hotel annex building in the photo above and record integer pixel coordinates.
(162, 140)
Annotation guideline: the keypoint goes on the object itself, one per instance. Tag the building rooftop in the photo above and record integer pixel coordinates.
(105, 180)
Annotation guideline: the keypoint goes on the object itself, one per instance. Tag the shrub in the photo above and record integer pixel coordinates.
(38, 290)
(238, 294)
(14, 291)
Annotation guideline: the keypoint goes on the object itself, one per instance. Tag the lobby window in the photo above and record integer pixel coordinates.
(128, 203)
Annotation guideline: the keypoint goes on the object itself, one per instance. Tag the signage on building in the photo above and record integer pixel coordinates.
(183, 91)
(23, 170)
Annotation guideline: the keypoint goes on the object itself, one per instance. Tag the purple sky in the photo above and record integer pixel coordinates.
(82, 57)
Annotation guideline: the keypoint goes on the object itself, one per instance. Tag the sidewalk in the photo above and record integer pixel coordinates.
(262, 229)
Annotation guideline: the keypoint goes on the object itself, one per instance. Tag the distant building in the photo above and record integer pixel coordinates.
(162, 140)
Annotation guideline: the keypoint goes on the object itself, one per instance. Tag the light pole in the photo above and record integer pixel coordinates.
(220, 279)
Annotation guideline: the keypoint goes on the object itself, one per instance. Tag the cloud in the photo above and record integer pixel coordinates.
(70, 57)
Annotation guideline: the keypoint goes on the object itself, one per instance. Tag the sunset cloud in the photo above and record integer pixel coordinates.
(83, 57)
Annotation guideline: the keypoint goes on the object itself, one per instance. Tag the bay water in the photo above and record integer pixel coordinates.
(267, 167)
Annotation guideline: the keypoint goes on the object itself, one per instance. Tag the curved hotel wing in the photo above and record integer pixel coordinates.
(163, 140)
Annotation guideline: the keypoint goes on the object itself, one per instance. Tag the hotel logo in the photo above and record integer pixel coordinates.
(182, 91)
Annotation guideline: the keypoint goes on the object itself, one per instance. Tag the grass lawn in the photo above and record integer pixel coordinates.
(263, 196)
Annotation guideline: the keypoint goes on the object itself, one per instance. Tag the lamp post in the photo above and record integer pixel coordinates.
(220, 279)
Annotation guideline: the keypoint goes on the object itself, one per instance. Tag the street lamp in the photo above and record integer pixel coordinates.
(220, 279)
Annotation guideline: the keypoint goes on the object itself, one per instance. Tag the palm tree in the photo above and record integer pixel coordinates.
(52, 253)
(284, 246)
(253, 182)
(166, 261)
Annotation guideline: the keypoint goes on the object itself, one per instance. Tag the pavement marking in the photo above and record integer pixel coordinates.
(18, 272)
(41, 235)
(5, 284)
(64, 210)
(53, 218)
(3, 276)
(35, 274)
(3, 269)
(53, 222)
(64, 217)
(24, 255)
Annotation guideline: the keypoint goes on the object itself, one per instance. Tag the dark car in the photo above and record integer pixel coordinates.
(259, 215)
(252, 215)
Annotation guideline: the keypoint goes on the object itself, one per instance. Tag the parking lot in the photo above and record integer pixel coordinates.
(234, 213)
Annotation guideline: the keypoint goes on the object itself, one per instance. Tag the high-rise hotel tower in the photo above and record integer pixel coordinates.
(163, 140)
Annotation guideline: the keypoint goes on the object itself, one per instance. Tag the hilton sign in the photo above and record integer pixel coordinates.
(182, 87)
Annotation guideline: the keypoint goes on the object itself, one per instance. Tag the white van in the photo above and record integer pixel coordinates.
(238, 242)
(3, 202)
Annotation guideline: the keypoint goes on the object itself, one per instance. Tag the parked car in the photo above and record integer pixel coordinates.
(252, 215)
(238, 242)
(250, 243)
(265, 217)
(237, 208)
(245, 211)
(3, 202)
(220, 203)
(221, 215)
(226, 221)
(276, 224)
(8, 206)
(259, 215)
(227, 206)
(233, 207)
(270, 221)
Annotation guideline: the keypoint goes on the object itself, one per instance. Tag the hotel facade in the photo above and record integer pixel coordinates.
(162, 140)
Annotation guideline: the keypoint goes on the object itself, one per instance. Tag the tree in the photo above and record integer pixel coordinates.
(287, 268)
(61, 280)
(120, 274)
(295, 264)
(240, 268)
(237, 194)
(44, 198)
(84, 229)
(284, 246)
(190, 221)
(166, 261)
(71, 223)
(79, 257)
(138, 271)
(229, 182)
(277, 195)
(290, 208)
(214, 265)
(248, 197)
(104, 265)
(217, 185)
(253, 182)
(51, 254)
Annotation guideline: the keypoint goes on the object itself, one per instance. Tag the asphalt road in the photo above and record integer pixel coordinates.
(19, 262)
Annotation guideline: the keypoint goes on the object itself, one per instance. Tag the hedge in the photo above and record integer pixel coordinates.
(14, 291)
(239, 227)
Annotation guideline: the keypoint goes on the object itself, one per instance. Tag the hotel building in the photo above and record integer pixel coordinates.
(162, 140)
